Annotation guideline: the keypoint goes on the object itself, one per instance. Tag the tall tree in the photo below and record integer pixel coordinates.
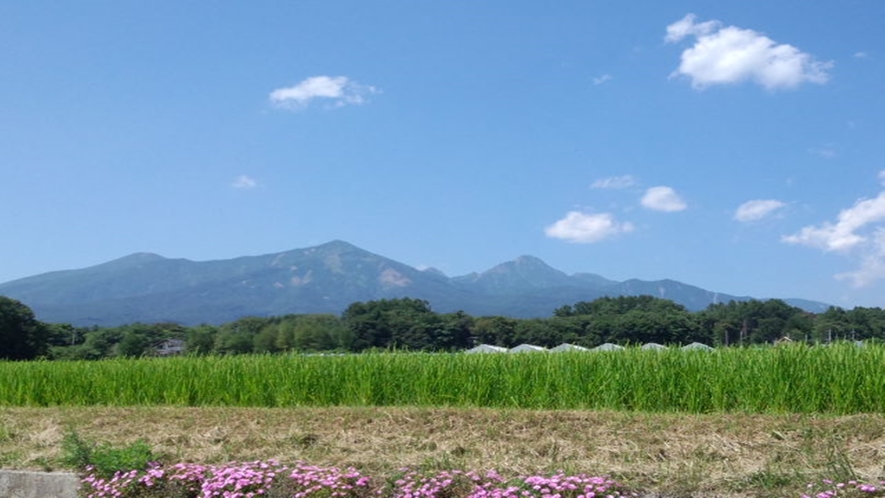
(401, 323)
(22, 337)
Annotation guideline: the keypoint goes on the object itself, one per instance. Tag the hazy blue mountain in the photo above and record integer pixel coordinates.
(524, 274)
(323, 279)
(810, 306)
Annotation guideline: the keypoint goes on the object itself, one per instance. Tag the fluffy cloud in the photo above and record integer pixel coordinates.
(757, 209)
(614, 182)
(842, 235)
(663, 199)
(244, 182)
(338, 91)
(872, 263)
(586, 228)
(857, 232)
(687, 27)
(728, 54)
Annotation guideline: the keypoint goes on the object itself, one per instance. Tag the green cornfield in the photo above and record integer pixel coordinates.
(842, 379)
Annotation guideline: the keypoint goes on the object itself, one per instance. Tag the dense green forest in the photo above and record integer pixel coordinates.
(411, 324)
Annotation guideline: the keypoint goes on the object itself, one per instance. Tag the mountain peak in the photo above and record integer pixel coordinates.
(433, 271)
(146, 256)
(528, 260)
(524, 272)
(134, 259)
(337, 246)
(338, 243)
(525, 264)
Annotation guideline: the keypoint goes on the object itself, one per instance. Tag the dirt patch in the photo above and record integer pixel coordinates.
(675, 455)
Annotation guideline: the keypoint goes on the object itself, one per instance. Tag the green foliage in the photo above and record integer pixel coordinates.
(76, 452)
(200, 340)
(22, 337)
(754, 322)
(620, 305)
(395, 323)
(105, 460)
(496, 330)
(133, 344)
(629, 319)
(63, 334)
(410, 324)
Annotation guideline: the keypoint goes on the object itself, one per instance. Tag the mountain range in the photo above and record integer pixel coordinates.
(146, 287)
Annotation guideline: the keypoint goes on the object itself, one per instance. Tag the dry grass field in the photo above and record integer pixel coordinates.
(673, 455)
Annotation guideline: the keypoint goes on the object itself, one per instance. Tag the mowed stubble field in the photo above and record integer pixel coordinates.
(728, 423)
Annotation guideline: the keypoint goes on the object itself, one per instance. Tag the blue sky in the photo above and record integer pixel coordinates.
(732, 145)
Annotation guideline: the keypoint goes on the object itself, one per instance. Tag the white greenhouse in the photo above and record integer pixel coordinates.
(697, 346)
(527, 348)
(608, 347)
(487, 348)
(568, 347)
(654, 345)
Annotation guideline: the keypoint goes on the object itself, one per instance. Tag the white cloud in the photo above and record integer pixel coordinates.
(337, 90)
(842, 235)
(872, 264)
(725, 55)
(882, 177)
(614, 182)
(586, 228)
(858, 233)
(860, 55)
(663, 199)
(602, 79)
(757, 209)
(244, 182)
(687, 27)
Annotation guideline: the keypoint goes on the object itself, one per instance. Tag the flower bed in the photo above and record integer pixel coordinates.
(832, 489)
(272, 479)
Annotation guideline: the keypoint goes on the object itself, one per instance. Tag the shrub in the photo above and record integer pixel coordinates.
(105, 460)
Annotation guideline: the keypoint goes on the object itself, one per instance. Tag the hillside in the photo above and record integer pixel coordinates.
(145, 287)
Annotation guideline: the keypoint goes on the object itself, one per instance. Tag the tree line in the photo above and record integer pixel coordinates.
(411, 325)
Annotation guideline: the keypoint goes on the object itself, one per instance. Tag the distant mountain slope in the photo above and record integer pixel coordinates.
(323, 279)
(524, 274)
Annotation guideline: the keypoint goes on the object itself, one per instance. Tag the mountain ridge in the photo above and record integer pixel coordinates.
(147, 287)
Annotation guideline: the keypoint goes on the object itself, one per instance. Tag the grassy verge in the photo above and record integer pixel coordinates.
(727, 455)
